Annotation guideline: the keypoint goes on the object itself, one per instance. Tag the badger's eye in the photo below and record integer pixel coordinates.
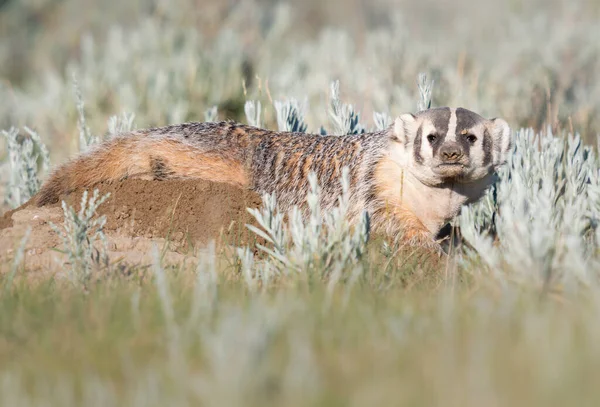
(471, 138)
(431, 138)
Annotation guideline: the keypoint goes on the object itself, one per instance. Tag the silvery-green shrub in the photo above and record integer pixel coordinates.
(83, 239)
(27, 158)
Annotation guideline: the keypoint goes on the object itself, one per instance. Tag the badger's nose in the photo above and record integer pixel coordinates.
(451, 152)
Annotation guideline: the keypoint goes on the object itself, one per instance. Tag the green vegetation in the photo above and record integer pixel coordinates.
(403, 336)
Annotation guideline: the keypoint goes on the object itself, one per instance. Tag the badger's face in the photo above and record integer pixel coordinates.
(452, 145)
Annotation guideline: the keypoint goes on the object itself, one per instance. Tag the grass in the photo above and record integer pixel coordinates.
(400, 339)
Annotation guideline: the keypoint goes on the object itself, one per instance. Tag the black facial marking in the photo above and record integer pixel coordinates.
(159, 168)
(440, 118)
(438, 142)
(465, 119)
(417, 146)
(487, 148)
(465, 146)
(464, 143)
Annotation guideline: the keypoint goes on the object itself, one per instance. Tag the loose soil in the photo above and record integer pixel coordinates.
(180, 215)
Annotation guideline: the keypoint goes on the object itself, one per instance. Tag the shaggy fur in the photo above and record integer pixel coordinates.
(412, 178)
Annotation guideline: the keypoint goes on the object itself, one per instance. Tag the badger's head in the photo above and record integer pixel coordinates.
(443, 145)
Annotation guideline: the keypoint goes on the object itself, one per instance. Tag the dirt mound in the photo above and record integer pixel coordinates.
(182, 211)
(183, 214)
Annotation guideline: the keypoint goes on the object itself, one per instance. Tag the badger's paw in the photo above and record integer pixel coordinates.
(423, 240)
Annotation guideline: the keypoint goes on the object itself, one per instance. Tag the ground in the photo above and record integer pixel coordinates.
(183, 214)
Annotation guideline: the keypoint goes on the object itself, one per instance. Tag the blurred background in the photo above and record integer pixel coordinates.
(535, 63)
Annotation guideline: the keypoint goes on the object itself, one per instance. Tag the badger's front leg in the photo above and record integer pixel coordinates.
(405, 228)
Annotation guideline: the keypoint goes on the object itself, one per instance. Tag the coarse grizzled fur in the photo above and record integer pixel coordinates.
(412, 178)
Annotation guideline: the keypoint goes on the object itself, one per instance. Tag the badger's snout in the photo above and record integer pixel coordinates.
(451, 153)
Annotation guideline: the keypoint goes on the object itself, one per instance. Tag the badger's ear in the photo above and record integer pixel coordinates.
(502, 140)
(405, 128)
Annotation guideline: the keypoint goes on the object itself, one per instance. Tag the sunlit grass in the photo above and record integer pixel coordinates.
(402, 338)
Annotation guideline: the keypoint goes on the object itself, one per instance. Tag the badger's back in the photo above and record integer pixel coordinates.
(229, 152)
(282, 163)
(209, 151)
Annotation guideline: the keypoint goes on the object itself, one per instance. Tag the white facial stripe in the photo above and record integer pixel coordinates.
(427, 128)
(451, 135)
